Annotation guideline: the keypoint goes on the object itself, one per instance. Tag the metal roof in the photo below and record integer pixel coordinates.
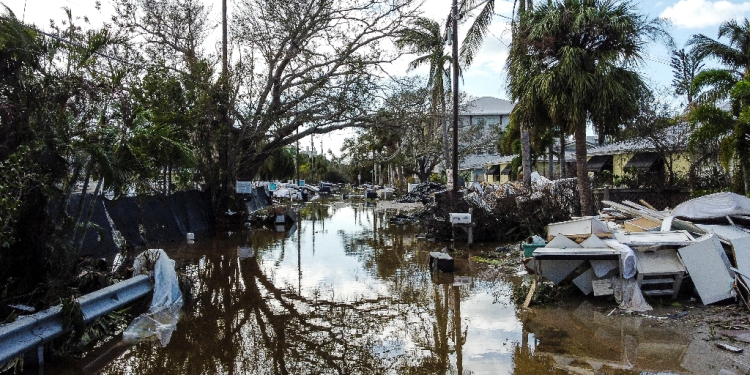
(487, 106)
(674, 137)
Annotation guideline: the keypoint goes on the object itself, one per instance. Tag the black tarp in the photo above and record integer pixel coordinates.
(258, 200)
(126, 215)
(598, 163)
(147, 221)
(98, 241)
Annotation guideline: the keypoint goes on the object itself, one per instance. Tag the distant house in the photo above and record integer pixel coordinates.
(648, 159)
(496, 169)
(487, 111)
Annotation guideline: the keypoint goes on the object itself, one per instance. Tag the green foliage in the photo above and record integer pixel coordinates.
(545, 293)
(13, 182)
(441, 177)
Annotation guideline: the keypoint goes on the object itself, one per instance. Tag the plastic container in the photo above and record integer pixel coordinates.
(528, 249)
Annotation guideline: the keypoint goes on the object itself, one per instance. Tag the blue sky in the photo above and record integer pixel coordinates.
(486, 77)
(688, 17)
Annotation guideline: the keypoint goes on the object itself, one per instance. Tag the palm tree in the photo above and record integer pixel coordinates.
(714, 85)
(426, 39)
(685, 67)
(735, 55)
(582, 52)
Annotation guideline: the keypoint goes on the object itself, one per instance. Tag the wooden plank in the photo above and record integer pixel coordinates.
(530, 295)
(643, 202)
(676, 223)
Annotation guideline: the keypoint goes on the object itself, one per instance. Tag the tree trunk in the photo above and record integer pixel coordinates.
(169, 179)
(526, 156)
(584, 184)
(562, 154)
(446, 147)
(551, 172)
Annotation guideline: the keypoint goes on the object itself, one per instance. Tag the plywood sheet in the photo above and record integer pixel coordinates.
(583, 281)
(641, 224)
(708, 272)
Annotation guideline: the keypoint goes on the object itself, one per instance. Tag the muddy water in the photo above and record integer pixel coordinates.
(344, 292)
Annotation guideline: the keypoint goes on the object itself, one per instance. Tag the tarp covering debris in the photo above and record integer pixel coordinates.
(160, 320)
(714, 206)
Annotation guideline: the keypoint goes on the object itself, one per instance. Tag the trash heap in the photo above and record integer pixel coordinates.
(631, 250)
(423, 192)
(511, 206)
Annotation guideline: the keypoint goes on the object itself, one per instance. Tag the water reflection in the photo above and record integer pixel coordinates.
(345, 293)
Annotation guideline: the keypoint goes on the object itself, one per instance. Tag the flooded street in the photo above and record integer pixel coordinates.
(344, 292)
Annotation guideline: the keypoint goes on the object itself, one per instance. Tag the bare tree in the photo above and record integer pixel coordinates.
(313, 66)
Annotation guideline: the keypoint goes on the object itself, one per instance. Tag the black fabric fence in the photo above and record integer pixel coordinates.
(146, 221)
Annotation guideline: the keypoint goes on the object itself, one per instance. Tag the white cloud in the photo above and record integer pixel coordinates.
(703, 13)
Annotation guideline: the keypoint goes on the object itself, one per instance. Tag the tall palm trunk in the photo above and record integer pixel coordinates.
(562, 154)
(551, 172)
(526, 155)
(584, 184)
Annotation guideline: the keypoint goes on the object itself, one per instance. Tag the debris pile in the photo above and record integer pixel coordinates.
(422, 193)
(632, 250)
(517, 210)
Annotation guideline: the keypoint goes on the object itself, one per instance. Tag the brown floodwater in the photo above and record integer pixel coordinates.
(345, 292)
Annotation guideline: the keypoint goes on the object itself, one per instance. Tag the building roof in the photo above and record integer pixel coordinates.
(487, 106)
(487, 160)
(674, 136)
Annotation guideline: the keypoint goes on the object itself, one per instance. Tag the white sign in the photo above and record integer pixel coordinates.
(244, 187)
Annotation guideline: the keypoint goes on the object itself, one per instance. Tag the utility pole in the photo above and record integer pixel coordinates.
(224, 168)
(454, 39)
(296, 163)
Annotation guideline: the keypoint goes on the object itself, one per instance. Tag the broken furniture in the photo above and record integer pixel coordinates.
(660, 271)
(581, 228)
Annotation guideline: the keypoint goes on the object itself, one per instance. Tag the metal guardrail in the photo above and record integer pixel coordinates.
(32, 331)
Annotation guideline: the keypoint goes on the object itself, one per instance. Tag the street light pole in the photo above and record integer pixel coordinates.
(454, 37)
